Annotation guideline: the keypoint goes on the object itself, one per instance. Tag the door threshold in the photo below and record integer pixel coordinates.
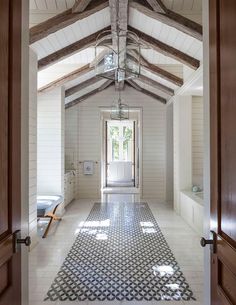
(120, 190)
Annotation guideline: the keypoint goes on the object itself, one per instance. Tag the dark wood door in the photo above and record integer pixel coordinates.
(223, 149)
(10, 150)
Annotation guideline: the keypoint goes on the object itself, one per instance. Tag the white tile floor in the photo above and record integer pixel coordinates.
(47, 257)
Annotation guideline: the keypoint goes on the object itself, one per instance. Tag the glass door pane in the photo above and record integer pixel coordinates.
(120, 153)
(114, 144)
(127, 143)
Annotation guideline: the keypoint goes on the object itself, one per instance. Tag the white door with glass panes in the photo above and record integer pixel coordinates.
(120, 153)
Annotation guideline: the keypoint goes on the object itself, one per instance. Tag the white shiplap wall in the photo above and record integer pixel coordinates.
(169, 153)
(50, 157)
(197, 140)
(89, 141)
(71, 143)
(71, 138)
(182, 116)
(33, 68)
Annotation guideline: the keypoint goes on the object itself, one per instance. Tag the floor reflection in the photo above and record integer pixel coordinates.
(120, 254)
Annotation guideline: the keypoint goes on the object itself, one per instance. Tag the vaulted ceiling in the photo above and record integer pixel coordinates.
(63, 34)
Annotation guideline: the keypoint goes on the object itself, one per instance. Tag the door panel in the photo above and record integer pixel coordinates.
(4, 64)
(120, 153)
(228, 112)
(223, 149)
(10, 150)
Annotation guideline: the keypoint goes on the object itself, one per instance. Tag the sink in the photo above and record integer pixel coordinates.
(199, 195)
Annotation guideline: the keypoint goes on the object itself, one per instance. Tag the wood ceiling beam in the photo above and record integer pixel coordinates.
(63, 20)
(134, 85)
(80, 6)
(170, 18)
(119, 9)
(157, 6)
(166, 50)
(155, 69)
(148, 81)
(69, 50)
(81, 99)
(67, 78)
(81, 86)
(89, 94)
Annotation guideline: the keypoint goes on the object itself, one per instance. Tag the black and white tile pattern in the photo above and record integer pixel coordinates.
(120, 253)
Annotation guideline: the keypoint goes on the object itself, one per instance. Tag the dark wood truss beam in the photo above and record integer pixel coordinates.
(158, 11)
(80, 5)
(134, 85)
(63, 20)
(89, 94)
(67, 78)
(71, 49)
(166, 50)
(156, 70)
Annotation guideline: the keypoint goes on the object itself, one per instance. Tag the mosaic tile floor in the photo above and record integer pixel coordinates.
(120, 254)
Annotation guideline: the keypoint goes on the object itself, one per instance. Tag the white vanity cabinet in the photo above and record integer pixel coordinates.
(69, 190)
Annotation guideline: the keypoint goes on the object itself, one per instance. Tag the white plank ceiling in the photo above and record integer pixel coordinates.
(51, 4)
(166, 34)
(176, 5)
(85, 90)
(152, 89)
(72, 33)
(79, 80)
(65, 66)
(184, 5)
(41, 10)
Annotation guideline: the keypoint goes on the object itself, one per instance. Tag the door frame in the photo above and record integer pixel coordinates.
(19, 91)
(221, 50)
(134, 163)
(207, 159)
(104, 116)
(25, 150)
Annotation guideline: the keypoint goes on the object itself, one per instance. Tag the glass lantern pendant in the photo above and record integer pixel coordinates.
(119, 110)
(111, 62)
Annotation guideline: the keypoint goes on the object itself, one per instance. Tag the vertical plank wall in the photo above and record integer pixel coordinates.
(33, 68)
(71, 143)
(50, 178)
(182, 147)
(169, 153)
(197, 140)
(188, 144)
(87, 132)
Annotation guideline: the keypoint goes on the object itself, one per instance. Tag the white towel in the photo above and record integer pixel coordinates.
(88, 167)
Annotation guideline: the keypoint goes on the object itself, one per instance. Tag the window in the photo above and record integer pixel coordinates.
(120, 141)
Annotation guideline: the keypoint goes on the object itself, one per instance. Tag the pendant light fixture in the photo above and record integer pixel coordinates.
(119, 110)
(111, 60)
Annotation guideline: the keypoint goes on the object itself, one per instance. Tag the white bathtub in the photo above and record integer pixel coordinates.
(192, 209)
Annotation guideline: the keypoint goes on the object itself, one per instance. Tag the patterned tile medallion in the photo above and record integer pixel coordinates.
(120, 253)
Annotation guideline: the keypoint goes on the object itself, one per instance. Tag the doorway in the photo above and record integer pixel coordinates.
(120, 153)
